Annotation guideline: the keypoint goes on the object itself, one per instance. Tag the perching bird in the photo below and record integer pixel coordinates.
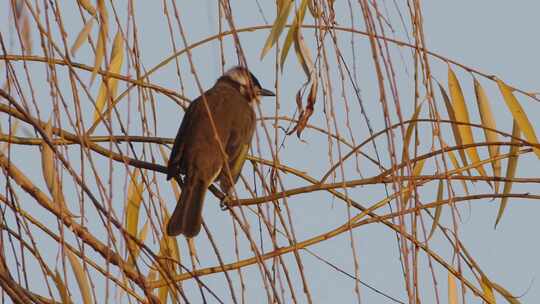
(196, 152)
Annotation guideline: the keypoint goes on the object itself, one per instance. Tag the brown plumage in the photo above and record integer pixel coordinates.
(196, 152)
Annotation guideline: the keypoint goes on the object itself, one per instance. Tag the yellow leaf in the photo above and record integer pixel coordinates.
(88, 6)
(409, 132)
(80, 276)
(488, 290)
(62, 290)
(455, 163)
(98, 58)
(174, 184)
(279, 25)
(133, 205)
(168, 249)
(416, 171)
(83, 35)
(135, 250)
(107, 90)
(438, 209)
(519, 115)
(293, 31)
(452, 289)
(103, 18)
(510, 171)
(507, 295)
(462, 115)
(50, 174)
(455, 131)
(304, 56)
(488, 120)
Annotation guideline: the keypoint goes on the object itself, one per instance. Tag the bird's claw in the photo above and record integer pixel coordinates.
(224, 204)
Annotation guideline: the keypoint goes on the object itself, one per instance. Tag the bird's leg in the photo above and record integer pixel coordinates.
(228, 200)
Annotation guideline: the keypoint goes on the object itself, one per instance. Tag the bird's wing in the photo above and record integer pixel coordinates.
(173, 166)
(237, 148)
(237, 163)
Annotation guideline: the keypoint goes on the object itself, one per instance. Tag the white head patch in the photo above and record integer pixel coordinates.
(239, 74)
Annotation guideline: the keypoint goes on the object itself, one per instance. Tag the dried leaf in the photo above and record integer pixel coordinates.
(488, 120)
(82, 36)
(452, 289)
(462, 115)
(488, 290)
(455, 163)
(438, 209)
(299, 100)
(292, 33)
(314, 9)
(168, 250)
(306, 114)
(507, 295)
(108, 88)
(416, 171)
(519, 115)
(409, 132)
(279, 24)
(62, 290)
(80, 276)
(133, 205)
(455, 131)
(88, 6)
(100, 54)
(50, 174)
(510, 171)
(103, 17)
(102, 38)
(26, 34)
(304, 56)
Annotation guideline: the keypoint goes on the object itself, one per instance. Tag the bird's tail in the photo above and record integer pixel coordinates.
(187, 216)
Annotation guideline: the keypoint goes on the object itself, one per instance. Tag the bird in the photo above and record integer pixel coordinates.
(196, 153)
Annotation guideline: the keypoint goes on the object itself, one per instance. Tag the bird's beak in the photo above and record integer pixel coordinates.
(265, 92)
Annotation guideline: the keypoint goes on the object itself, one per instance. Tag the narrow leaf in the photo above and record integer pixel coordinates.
(88, 6)
(279, 25)
(133, 203)
(308, 111)
(103, 17)
(416, 171)
(452, 289)
(488, 120)
(507, 295)
(102, 38)
(80, 276)
(438, 209)
(168, 250)
(462, 115)
(455, 131)
(292, 33)
(519, 115)
(510, 171)
(488, 290)
(108, 88)
(62, 290)
(455, 163)
(304, 56)
(49, 170)
(82, 36)
(100, 54)
(409, 132)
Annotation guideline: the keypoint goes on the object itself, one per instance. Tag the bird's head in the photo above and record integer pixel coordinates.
(246, 83)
